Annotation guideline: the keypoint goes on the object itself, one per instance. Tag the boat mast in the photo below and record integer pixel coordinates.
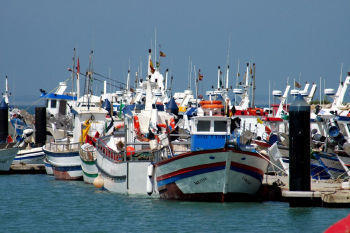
(73, 73)
(254, 87)
(219, 77)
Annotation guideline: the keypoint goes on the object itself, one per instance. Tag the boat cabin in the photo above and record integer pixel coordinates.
(209, 132)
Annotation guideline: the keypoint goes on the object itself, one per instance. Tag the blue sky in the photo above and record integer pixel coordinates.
(283, 38)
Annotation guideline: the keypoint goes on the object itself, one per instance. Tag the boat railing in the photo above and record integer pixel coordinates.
(88, 153)
(161, 154)
(108, 152)
(63, 147)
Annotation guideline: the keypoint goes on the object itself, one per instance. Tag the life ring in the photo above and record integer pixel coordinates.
(206, 102)
(137, 125)
(212, 106)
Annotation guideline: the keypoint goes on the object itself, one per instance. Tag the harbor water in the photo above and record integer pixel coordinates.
(39, 203)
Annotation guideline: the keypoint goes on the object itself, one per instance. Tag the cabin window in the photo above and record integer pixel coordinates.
(203, 126)
(53, 103)
(220, 126)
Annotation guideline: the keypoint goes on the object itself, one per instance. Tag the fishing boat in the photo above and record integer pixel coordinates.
(88, 162)
(48, 167)
(7, 154)
(218, 167)
(8, 150)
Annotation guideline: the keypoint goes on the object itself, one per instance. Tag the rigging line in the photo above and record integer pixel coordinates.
(103, 76)
(39, 99)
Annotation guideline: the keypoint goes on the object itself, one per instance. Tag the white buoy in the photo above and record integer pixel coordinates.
(149, 187)
(150, 170)
(98, 182)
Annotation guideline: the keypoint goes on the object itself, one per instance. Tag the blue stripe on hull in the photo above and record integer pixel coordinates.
(247, 172)
(67, 168)
(29, 157)
(189, 174)
(65, 154)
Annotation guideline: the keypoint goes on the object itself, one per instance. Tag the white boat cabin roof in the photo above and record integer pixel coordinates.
(211, 125)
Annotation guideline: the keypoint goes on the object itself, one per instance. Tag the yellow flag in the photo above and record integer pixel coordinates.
(259, 120)
(85, 130)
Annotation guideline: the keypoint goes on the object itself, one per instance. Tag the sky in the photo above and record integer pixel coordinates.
(302, 40)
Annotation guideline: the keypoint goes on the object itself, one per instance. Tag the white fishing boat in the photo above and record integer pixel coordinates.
(7, 154)
(30, 156)
(48, 167)
(88, 162)
(214, 169)
(64, 159)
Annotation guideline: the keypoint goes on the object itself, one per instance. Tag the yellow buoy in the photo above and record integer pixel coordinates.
(98, 182)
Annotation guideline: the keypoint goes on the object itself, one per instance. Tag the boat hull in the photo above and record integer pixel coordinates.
(48, 167)
(89, 169)
(124, 177)
(88, 163)
(6, 158)
(211, 175)
(30, 156)
(66, 165)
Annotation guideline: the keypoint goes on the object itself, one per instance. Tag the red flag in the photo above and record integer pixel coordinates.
(9, 139)
(78, 67)
(267, 129)
(97, 135)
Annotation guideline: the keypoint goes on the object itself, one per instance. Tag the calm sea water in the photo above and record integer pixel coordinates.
(38, 203)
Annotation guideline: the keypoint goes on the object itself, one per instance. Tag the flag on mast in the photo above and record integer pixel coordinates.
(151, 66)
(162, 54)
(200, 76)
(78, 68)
(297, 85)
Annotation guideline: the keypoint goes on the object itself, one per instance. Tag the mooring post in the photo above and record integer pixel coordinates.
(40, 126)
(299, 148)
(4, 127)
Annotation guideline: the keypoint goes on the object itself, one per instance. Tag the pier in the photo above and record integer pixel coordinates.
(323, 193)
(25, 169)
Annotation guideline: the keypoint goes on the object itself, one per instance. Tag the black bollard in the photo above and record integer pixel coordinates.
(40, 126)
(299, 145)
(4, 123)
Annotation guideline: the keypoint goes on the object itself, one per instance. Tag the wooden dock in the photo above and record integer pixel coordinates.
(324, 193)
(25, 169)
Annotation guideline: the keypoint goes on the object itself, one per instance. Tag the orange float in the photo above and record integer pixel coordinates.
(206, 102)
(212, 106)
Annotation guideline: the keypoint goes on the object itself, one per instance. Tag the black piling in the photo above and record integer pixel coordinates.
(40, 126)
(299, 148)
(4, 127)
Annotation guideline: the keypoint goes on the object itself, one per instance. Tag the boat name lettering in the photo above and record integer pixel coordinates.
(200, 180)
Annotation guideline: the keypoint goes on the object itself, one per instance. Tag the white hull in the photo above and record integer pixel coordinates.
(48, 167)
(217, 175)
(66, 165)
(123, 177)
(30, 156)
(6, 158)
(88, 163)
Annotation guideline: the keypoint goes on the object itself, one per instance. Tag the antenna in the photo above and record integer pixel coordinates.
(228, 60)
(155, 45)
(237, 73)
(341, 73)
